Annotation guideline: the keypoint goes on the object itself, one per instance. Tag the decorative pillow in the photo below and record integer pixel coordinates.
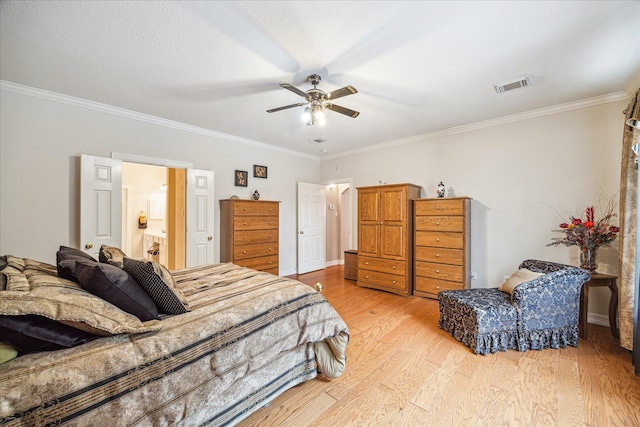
(66, 253)
(7, 352)
(34, 288)
(3, 278)
(158, 282)
(116, 286)
(520, 276)
(31, 333)
(111, 255)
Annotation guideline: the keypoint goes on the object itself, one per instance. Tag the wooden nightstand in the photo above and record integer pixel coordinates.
(598, 279)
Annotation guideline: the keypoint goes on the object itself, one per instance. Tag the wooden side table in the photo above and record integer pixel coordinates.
(597, 280)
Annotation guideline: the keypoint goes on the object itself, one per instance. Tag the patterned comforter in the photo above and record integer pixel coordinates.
(250, 336)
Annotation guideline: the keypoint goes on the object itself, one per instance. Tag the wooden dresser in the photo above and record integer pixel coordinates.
(385, 237)
(441, 251)
(249, 233)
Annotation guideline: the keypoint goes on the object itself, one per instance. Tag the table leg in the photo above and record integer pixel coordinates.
(613, 309)
(584, 306)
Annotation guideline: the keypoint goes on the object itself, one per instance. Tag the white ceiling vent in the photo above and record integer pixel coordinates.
(317, 140)
(513, 84)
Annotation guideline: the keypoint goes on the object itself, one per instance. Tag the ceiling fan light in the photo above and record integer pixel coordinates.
(318, 112)
(306, 115)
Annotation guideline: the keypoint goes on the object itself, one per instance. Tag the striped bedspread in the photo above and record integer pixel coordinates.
(248, 337)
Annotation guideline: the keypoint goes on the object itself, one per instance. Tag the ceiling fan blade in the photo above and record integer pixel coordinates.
(339, 93)
(342, 110)
(273, 110)
(294, 90)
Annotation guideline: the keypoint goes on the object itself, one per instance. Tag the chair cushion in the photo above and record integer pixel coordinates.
(482, 319)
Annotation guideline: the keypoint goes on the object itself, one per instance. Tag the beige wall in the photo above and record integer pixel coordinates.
(521, 174)
(41, 140)
(524, 176)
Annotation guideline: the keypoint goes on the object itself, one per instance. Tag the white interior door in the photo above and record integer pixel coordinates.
(311, 227)
(100, 203)
(200, 205)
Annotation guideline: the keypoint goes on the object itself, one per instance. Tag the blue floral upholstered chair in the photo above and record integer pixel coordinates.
(540, 311)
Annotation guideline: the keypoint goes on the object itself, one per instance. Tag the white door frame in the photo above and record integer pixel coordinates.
(352, 204)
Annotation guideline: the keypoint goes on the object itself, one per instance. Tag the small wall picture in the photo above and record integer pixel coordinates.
(259, 171)
(241, 178)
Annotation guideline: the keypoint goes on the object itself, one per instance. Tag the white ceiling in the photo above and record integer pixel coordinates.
(419, 67)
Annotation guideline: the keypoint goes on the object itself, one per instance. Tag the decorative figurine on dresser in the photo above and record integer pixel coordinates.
(442, 245)
(385, 235)
(441, 190)
(249, 233)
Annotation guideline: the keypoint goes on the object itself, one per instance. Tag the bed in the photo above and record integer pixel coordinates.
(244, 337)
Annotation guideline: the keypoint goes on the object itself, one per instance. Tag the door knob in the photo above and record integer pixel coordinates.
(88, 246)
(301, 232)
(210, 238)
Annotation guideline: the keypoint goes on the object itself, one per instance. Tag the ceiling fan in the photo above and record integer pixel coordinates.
(317, 101)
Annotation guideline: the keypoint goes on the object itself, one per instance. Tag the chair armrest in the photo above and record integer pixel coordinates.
(551, 300)
(543, 266)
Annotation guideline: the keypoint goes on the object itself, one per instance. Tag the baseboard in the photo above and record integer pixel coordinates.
(598, 319)
(334, 262)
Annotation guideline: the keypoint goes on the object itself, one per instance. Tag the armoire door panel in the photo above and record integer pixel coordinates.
(369, 238)
(368, 206)
(393, 241)
(393, 204)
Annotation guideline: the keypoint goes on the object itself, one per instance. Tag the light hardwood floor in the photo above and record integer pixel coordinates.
(404, 371)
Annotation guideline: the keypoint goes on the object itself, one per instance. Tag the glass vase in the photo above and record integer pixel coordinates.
(588, 258)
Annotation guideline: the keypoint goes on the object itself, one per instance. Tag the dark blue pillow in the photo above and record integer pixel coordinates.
(31, 333)
(116, 286)
(68, 271)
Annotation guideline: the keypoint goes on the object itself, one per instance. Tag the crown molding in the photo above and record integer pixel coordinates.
(589, 102)
(147, 118)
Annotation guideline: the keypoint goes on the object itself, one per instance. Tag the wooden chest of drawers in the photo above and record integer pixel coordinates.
(441, 245)
(249, 233)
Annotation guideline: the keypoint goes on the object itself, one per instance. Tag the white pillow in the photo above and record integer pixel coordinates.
(520, 276)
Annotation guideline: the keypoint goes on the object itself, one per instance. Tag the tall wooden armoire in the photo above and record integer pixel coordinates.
(385, 237)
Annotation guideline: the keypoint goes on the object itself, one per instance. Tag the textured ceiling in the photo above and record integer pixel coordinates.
(419, 67)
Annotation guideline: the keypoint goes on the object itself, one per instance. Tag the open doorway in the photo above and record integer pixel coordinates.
(153, 213)
(339, 220)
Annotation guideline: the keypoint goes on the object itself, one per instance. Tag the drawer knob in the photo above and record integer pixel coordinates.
(244, 223)
(366, 277)
(437, 208)
(437, 240)
(269, 235)
(270, 262)
(366, 263)
(437, 255)
(244, 252)
(437, 271)
(437, 287)
(270, 209)
(437, 223)
(270, 223)
(394, 282)
(394, 267)
(244, 237)
(244, 209)
(269, 249)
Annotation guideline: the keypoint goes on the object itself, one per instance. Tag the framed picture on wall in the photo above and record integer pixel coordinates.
(241, 178)
(259, 171)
